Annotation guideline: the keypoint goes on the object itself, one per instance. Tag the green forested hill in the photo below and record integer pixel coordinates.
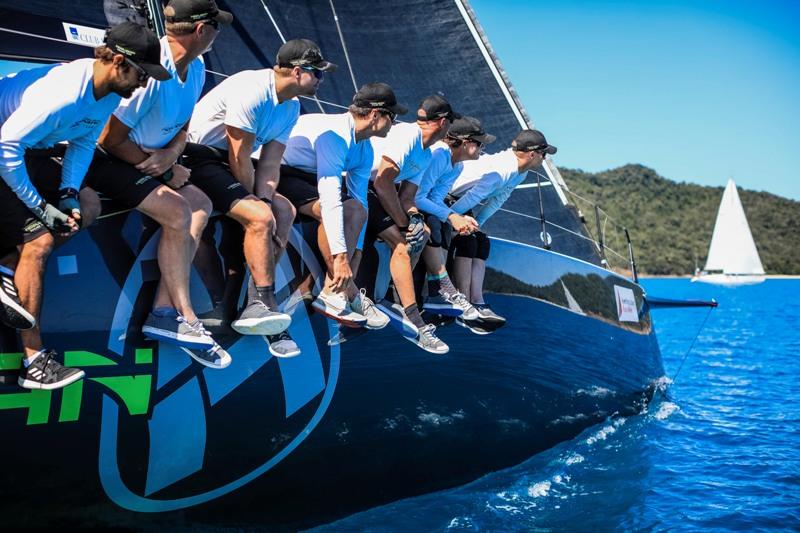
(671, 222)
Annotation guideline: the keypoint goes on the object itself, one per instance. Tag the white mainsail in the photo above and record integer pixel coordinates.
(732, 249)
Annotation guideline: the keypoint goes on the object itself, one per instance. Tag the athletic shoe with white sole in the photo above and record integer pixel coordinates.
(488, 315)
(451, 305)
(428, 341)
(215, 357)
(46, 373)
(362, 305)
(175, 329)
(335, 306)
(478, 327)
(282, 345)
(258, 319)
(12, 314)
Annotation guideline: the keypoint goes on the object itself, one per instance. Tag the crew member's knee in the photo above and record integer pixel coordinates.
(483, 246)
(258, 219)
(283, 210)
(90, 206)
(39, 249)
(178, 214)
(355, 212)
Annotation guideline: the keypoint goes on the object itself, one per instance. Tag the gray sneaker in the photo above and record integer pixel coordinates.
(362, 305)
(258, 319)
(175, 329)
(488, 315)
(282, 345)
(451, 305)
(47, 374)
(428, 341)
(215, 357)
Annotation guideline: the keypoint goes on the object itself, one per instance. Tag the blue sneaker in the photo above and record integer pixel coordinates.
(175, 329)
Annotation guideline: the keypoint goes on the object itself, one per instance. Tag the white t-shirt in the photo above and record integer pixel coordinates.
(157, 112)
(326, 145)
(248, 101)
(404, 146)
(437, 180)
(491, 178)
(42, 107)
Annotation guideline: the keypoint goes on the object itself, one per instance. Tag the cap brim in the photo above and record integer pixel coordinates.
(398, 109)
(551, 149)
(454, 115)
(325, 66)
(485, 138)
(157, 72)
(224, 17)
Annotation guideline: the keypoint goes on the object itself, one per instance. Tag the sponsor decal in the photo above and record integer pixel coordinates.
(626, 304)
(83, 35)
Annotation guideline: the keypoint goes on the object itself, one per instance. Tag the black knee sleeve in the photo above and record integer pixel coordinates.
(465, 246)
(482, 246)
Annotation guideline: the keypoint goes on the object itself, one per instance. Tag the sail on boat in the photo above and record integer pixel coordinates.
(732, 257)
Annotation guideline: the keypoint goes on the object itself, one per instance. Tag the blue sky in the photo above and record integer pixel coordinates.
(700, 91)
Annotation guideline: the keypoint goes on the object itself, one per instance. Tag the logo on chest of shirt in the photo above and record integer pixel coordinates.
(87, 123)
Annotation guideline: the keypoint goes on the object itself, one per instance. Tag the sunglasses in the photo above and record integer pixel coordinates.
(478, 143)
(391, 114)
(141, 74)
(211, 22)
(319, 74)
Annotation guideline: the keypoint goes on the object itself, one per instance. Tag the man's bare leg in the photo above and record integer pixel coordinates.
(175, 249)
(284, 213)
(29, 279)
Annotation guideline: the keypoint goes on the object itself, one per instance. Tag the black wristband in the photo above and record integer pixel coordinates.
(266, 201)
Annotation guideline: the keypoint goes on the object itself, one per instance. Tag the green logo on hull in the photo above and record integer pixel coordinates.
(132, 390)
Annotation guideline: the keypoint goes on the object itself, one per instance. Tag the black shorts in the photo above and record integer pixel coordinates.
(378, 220)
(298, 186)
(214, 178)
(17, 223)
(441, 232)
(474, 246)
(119, 180)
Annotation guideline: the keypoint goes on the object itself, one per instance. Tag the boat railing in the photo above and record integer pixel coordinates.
(610, 237)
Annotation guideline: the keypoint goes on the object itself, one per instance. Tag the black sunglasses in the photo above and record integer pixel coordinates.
(319, 74)
(141, 74)
(391, 114)
(478, 143)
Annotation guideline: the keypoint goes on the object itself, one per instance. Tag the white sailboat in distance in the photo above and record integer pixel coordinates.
(732, 257)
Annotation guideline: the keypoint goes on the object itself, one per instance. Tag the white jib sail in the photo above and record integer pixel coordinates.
(732, 249)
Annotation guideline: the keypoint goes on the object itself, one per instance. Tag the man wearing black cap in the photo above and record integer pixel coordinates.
(400, 160)
(491, 180)
(321, 148)
(250, 115)
(138, 167)
(38, 109)
(463, 142)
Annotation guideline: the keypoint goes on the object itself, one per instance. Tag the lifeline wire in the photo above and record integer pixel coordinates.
(692, 345)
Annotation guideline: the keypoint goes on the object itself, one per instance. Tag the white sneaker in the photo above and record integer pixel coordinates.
(376, 319)
(451, 305)
(428, 341)
(335, 306)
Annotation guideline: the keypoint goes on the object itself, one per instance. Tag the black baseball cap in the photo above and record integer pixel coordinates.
(435, 107)
(465, 128)
(140, 46)
(530, 140)
(196, 11)
(303, 53)
(378, 96)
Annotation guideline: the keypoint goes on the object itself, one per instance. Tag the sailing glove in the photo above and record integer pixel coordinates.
(415, 234)
(52, 217)
(69, 202)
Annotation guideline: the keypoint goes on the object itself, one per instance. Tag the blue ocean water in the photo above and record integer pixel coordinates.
(718, 451)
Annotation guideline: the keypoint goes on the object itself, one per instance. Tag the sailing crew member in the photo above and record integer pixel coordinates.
(491, 180)
(400, 160)
(138, 166)
(320, 150)
(463, 142)
(251, 110)
(40, 201)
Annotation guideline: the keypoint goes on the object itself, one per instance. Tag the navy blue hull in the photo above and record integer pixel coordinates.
(151, 438)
